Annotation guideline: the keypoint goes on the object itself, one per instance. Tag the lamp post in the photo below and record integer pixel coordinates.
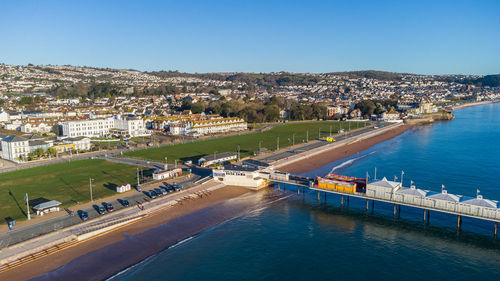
(293, 139)
(166, 163)
(307, 136)
(90, 185)
(239, 153)
(277, 144)
(27, 206)
(330, 130)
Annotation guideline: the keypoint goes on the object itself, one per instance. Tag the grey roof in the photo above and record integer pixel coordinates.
(246, 168)
(413, 191)
(37, 142)
(257, 163)
(14, 138)
(445, 196)
(479, 201)
(3, 136)
(46, 205)
(218, 156)
(385, 183)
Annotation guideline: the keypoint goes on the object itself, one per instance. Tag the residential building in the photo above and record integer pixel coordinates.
(15, 148)
(128, 126)
(88, 128)
(81, 143)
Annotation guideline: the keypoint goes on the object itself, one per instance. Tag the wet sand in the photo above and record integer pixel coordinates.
(318, 161)
(64, 257)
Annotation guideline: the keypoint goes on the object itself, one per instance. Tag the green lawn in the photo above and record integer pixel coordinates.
(249, 143)
(64, 182)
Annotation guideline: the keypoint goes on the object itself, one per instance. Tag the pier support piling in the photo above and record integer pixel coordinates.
(325, 197)
(367, 204)
(318, 195)
(426, 215)
(395, 209)
(459, 222)
(341, 200)
(496, 230)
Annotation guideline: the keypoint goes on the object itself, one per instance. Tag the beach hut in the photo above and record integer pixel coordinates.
(47, 207)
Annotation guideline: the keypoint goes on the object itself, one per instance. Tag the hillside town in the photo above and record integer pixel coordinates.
(48, 111)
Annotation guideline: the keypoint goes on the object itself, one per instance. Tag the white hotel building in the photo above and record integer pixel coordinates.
(131, 126)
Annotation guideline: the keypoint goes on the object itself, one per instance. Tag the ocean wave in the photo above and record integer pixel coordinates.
(349, 162)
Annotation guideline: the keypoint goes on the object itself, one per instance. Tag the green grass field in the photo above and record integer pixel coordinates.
(64, 182)
(249, 143)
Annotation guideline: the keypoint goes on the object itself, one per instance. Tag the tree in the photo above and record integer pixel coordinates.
(26, 100)
(198, 107)
(55, 129)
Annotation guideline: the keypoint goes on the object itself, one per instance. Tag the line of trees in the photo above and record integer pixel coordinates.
(258, 111)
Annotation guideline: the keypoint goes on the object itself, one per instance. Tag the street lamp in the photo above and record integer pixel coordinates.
(90, 184)
(293, 139)
(166, 163)
(277, 144)
(27, 206)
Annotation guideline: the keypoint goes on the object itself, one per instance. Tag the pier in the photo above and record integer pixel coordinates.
(394, 193)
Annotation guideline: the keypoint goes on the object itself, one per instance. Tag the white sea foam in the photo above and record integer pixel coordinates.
(349, 162)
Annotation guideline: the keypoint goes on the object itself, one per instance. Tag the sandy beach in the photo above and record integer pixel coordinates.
(61, 258)
(318, 161)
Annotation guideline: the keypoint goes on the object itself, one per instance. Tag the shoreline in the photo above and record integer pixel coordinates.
(337, 153)
(466, 105)
(41, 267)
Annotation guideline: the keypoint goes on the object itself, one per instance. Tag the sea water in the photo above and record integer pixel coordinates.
(301, 238)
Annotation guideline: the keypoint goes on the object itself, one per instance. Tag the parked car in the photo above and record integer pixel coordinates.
(109, 207)
(176, 186)
(84, 215)
(164, 191)
(170, 188)
(101, 210)
(189, 162)
(158, 191)
(152, 194)
(125, 202)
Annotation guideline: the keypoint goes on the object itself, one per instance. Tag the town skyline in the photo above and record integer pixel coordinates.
(434, 38)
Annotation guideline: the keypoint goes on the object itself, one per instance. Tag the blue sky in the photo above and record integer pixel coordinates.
(429, 37)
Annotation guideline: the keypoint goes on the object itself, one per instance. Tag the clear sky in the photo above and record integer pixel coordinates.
(429, 37)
